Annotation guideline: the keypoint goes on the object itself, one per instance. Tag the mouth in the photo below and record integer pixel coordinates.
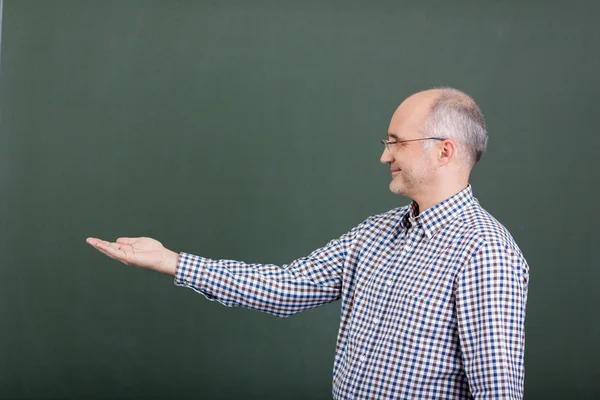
(395, 172)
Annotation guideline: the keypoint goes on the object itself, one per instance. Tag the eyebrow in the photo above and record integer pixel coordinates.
(393, 135)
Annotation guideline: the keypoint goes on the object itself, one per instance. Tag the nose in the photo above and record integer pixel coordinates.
(386, 157)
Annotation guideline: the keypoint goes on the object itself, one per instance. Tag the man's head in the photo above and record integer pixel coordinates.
(430, 166)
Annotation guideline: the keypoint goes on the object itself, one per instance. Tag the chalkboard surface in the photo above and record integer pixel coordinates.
(249, 130)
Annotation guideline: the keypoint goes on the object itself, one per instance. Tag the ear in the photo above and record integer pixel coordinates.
(446, 151)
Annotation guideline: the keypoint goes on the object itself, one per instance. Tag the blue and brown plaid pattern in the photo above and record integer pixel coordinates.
(432, 304)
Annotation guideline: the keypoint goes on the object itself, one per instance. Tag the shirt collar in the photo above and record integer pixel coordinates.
(432, 219)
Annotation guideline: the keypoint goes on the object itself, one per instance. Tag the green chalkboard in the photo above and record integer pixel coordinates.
(249, 130)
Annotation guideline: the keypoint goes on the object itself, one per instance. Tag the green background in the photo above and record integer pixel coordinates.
(249, 130)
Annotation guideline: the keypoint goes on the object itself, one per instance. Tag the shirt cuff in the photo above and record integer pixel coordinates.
(190, 271)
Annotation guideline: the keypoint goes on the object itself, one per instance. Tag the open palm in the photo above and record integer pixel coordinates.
(141, 252)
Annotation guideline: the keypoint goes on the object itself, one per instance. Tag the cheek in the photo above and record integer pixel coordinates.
(417, 167)
(409, 161)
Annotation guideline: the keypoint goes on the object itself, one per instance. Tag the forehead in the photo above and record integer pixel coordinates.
(410, 115)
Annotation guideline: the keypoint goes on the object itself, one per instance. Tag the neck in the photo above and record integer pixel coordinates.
(437, 193)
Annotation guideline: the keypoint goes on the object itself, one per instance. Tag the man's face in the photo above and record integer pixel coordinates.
(411, 163)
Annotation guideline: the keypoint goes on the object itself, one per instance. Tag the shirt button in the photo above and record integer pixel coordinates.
(407, 248)
(389, 282)
(376, 321)
(187, 279)
(363, 359)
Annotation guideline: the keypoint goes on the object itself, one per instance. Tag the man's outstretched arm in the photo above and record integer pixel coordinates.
(303, 284)
(282, 291)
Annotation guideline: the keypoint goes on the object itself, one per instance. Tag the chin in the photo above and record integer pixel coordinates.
(397, 189)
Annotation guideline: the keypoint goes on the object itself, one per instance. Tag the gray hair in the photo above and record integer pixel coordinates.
(455, 115)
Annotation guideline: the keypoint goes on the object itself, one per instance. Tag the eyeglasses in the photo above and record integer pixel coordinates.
(387, 143)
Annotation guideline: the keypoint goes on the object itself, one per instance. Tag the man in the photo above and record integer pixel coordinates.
(433, 294)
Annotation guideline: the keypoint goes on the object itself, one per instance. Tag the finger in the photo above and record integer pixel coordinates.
(95, 241)
(92, 240)
(113, 245)
(112, 250)
(105, 247)
(126, 240)
(99, 242)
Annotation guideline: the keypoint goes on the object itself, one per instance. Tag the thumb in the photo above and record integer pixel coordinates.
(126, 240)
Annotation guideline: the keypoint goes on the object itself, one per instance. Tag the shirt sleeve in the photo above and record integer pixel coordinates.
(303, 284)
(491, 296)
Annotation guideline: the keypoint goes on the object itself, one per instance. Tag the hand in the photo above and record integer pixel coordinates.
(140, 252)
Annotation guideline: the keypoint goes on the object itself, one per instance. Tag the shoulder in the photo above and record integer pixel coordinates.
(483, 228)
(380, 223)
(388, 218)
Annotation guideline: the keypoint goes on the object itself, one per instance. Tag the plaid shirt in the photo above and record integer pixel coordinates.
(433, 305)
